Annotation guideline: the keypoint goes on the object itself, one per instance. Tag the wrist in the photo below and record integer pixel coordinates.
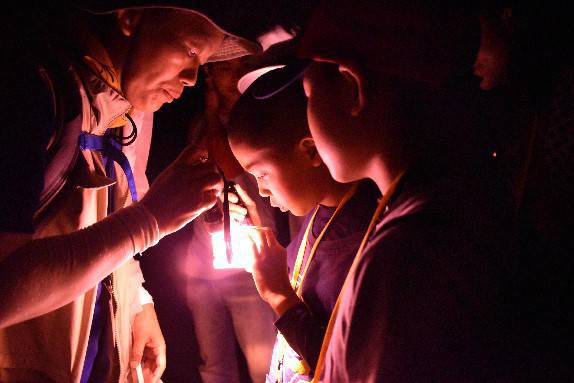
(156, 214)
(281, 302)
(141, 225)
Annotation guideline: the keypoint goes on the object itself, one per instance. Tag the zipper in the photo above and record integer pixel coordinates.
(111, 290)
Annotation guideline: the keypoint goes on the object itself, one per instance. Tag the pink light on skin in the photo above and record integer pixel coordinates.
(242, 247)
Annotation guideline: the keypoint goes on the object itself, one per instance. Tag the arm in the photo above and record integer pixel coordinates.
(303, 331)
(45, 274)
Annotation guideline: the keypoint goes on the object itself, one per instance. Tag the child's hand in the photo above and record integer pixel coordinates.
(270, 271)
(241, 206)
(237, 212)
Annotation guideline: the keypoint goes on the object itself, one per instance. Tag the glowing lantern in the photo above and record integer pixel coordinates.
(241, 245)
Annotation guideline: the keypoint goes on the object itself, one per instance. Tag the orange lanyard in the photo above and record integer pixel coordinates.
(350, 275)
(297, 283)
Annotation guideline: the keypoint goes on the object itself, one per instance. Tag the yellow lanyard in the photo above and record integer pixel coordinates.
(296, 283)
(350, 275)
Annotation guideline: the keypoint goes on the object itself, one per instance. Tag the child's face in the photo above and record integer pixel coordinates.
(342, 146)
(285, 176)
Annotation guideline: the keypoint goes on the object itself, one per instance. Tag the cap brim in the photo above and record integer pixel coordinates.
(245, 82)
(267, 82)
(233, 47)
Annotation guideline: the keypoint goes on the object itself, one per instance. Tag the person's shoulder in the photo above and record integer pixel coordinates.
(355, 217)
(443, 218)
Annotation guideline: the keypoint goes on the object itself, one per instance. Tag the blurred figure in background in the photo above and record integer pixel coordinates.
(226, 308)
(525, 63)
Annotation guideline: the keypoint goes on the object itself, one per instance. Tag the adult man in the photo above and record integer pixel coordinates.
(387, 101)
(56, 248)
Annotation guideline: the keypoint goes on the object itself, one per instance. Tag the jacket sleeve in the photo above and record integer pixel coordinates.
(303, 331)
(45, 274)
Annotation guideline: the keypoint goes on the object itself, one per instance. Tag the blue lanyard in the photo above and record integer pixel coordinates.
(111, 152)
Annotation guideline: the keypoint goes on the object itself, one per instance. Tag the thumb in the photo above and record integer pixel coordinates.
(137, 352)
(250, 205)
(271, 239)
(243, 195)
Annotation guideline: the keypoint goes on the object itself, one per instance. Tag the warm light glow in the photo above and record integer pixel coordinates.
(241, 244)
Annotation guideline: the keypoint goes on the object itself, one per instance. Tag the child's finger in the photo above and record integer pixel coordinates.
(244, 196)
(271, 239)
(257, 239)
(268, 236)
(232, 197)
(237, 210)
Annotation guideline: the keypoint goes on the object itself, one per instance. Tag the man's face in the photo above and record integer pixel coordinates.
(282, 175)
(166, 51)
(338, 143)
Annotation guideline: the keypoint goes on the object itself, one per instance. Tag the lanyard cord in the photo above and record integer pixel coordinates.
(295, 282)
(350, 275)
(132, 136)
(297, 278)
(112, 152)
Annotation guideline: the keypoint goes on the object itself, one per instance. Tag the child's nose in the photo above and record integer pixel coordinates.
(263, 192)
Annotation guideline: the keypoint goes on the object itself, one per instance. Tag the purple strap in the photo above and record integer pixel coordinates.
(110, 150)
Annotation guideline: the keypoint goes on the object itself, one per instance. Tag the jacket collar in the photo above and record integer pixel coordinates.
(101, 82)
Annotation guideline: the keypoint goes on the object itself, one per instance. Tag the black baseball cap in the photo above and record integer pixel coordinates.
(266, 82)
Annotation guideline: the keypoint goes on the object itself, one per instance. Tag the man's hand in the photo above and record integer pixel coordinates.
(148, 347)
(270, 272)
(188, 187)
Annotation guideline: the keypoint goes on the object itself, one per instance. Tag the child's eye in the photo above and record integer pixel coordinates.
(261, 177)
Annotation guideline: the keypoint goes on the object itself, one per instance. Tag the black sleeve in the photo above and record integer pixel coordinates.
(27, 119)
(303, 331)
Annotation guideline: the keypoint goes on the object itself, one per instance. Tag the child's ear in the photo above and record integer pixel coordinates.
(128, 20)
(355, 85)
(308, 148)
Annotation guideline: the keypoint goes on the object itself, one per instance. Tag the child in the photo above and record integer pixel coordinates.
(270, 138)
(387, 101)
